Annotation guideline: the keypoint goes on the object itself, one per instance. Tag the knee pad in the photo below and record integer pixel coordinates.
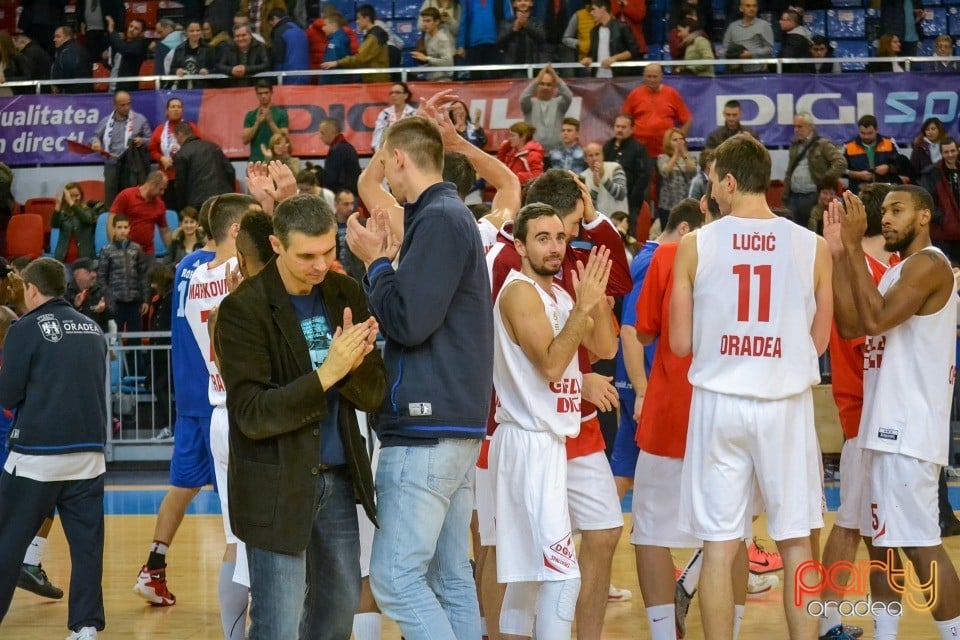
(564, 594)
(519, 608)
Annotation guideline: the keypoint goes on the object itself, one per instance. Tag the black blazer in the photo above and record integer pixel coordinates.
(275, 404)
(621, 39)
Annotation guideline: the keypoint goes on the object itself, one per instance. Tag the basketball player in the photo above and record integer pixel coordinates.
(760, 286)
(538, 330)
(909, 368)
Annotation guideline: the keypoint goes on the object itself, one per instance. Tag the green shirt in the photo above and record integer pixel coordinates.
(264, 132)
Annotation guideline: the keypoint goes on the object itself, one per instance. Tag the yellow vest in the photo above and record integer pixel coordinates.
(585, 25)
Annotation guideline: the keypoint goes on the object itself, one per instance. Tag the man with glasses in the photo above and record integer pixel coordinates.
(544, 103)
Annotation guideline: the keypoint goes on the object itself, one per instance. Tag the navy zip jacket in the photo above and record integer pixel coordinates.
(54, 374)
(436, 313)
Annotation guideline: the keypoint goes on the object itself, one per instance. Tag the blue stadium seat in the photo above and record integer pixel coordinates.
(850, 3)
(347, 7)
(407, 31)
(54, 240)
(816, 22)
(158, 247)
(951, 1)
(934, 22)
(407, 61)
(932, 3)
(658, 5)
(100, 239)
(850, 49)
(655, 53)
(384, 8)
(406, 8)
(656, 27)
(953, 21)
(173, 220)
(925, 48)
(846, 24)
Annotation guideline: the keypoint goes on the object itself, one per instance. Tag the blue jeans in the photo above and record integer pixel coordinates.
(317, 590)
(801, 204)
(420, 564)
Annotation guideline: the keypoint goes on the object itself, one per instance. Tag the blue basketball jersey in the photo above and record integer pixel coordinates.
(190, 375)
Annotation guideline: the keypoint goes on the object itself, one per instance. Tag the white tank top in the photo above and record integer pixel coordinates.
(208, 287)
(908, 375)
(524, 396)
(754, 304)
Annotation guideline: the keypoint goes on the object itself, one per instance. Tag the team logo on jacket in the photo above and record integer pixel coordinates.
(50, 328)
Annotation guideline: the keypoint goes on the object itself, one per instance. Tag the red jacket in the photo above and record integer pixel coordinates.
(155, 150)
(632, 14)
(948, 229)
(526, 162)
(317, 40)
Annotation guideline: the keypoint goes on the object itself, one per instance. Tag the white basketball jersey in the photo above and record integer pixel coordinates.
(908, 375)
(208, 287)
(524, 396)
(753, 301)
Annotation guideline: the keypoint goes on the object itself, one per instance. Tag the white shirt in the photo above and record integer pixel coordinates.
(85, 465)
(603, 51)
(208, 287)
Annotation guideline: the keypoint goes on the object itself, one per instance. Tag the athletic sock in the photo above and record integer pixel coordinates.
(663, 622)
(831, 618)
(483, 626)
(158, 555)
(885, 626)
(690, 577)
(233, 603)
(738, 610)
(367, 626)
(35, 551)
(949, 629)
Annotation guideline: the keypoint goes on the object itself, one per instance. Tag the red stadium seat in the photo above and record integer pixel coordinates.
(92, 190)
(25, 236)
(100, 71)
(146, 11)
(775, 194)
(43, 207)
(146, 69)
(644, 222)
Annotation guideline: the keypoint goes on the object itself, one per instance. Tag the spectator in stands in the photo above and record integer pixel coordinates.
(395, 45)
(576, 37)
(870, 156)
(795, 41)
(732, 113)
(655, 108)
(164, 146)
(373, 52)
(449, 15)
(479, 28)
(307, 184)
(39, 62)
(521, 38)
(521, 153)
(13, 66)
(701, 10)
(632, 13)
(281, 149)
(262, 123)
(676, 169)
(70, 61)
(813, 161)
(826, 193)
(401, 106)
(345, 206)
(288, 46)
(187, 238)
(216, 37)
(243, 19)
(544, 104)
(87, 295)
(40, 19)
(925, 154)
(889, 46)
(606, 181)
(943, 48)
(122, 134)
(902, 19)
(695, 46)
(469, 129)
(820, 48)
(193, 57)
(438, 46)
(257, 13)
(569, 155)
(630, 154)
(675, 43)
(244, 58)
(168, 39)
(610, 41)
(203, 170)
(127, 52)
(943, 183)
(76, 219)
(749, 37)
(123, 271)
(337, 44)
(700, 185)
(143, 206)
(342, 167)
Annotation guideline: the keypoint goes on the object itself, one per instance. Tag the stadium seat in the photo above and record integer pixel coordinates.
(934, 22)
(407, 31)
(406, 9)
(146, 69)
(850, 49)
(953, 21)
(100, 71)
(816, 22)
(54, 240)
(347, 7)
(850, 3)
(100, 237)
(25, 236)
(159, 249)
(847, 23)
(644, 222)
(775, 194)
(43, 207)
(173, 220)
(146, 11)
(92, 190)
(384, 8)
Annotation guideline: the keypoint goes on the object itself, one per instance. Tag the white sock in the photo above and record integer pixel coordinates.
(830, 619)
(949, 629)
(233, 598)
(738, 610)
(483, 626)
(663, 623)
(690, 577)
(885, 626)
(367, 626)
(34, 551)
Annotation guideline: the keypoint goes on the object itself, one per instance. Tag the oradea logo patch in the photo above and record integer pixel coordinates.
(50, 328)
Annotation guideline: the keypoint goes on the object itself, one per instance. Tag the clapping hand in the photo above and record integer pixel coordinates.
(374, 328)
(590, 280)
(373, 240)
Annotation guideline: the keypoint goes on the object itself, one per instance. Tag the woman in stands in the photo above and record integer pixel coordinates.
(187, 238)
(194, 56)
(163, 146)
(281, 149)
(401, 107)
(469, 129)
(77, 220)
(888, 47)
(677, 170)
(926, 146)
(521, 153)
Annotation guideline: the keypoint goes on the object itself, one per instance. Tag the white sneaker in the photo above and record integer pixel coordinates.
(759, 585)
(618, 595)
(87, 633)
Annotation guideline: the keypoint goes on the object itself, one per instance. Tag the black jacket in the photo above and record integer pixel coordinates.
(79, 220)
(276, 404)
(621, 39)
(38, 61)
(132, 54)
(341, 170)
(202, 171)
(90, 301)
(54, 374)
(256, 60)
(633, 157)
(192, 60)
(71, 61)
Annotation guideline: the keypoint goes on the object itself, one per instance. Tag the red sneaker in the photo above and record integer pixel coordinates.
(152, 587)
(763, 561)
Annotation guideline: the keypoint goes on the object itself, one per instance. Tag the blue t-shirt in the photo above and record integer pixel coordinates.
(628, 316)
(190, 375)
(318, 332)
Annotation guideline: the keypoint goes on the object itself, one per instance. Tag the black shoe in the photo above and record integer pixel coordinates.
(34, 579)
(949, 528)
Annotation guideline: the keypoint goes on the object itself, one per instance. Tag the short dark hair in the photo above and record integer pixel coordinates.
(367, 11)
(732, 104)
(458, 170)
(431, 12)
(143, 25)
(872, 196)
(227, 210)
(689, 23)
(687, 210)
(530, 212)
(819, 40)
(183, 129)
(573, 122)
(277, 13)
(20, 262)
(333, 122)
(306, 214)
(479, 210)
(556, 188)
(420, 139)
(257, 227)
(747, 161)
(600, 3)
(49, 276)
(921, 197)
(305, 176)
(120, 218)
(624, 116)
(947, 140)
(868, 121)
(67, 30)
(162, 275)
(190, 212)
(263, 83)
(204, 218)
(174, 98)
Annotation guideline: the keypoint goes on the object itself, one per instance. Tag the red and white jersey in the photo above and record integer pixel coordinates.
(524, 396)
(753, 301)
(208, 287)
(908, 375)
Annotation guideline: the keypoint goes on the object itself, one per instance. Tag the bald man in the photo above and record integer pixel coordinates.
(656, 107)
(606, 181)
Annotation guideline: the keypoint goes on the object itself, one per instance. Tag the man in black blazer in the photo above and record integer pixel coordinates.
(297, 356)
(621, 45)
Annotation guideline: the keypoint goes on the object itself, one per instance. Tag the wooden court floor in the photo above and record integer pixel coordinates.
(194, 567)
